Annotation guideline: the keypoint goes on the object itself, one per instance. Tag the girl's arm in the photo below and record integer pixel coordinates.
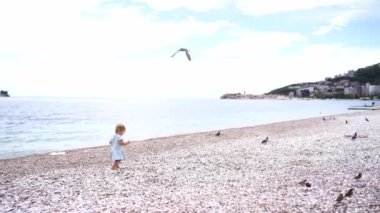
(121, 142)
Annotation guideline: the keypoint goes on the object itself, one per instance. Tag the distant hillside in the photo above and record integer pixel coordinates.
(285, 90)
(369, 74)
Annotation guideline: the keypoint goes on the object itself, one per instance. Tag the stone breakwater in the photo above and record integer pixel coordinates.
(202, 172)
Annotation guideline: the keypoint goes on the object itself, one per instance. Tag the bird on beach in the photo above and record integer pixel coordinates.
(217, 134)
(265, 140)
(366, 119)
(354, 136)
(357, 177)
(349, 193)
(184, 50)
(324, 118)
(305, 183)
(346, 121)
(302, 183)
(340, 197)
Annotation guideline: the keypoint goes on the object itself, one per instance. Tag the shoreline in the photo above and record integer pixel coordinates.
(202, 172)
(179, 135)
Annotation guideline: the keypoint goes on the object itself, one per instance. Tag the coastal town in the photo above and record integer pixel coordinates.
(320, 90)
(329, 89)
(251, 96)
(363, 83)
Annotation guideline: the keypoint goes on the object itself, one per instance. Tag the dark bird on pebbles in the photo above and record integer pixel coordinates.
(346, 121)
(349, 193)
(302, 183)
(265, 140)
(217, 134)
(324, 118)
(354, 136)
(305, 183)
(366, 119)
(340, 197)
(357, 177)
(184, 50)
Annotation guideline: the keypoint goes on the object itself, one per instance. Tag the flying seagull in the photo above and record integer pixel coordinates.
(185, 50)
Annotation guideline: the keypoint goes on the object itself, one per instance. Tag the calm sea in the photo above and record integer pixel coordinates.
(40, 125)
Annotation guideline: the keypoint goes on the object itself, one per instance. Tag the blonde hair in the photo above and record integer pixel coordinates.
(119, 128)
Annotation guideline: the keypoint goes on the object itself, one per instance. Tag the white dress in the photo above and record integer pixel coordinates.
(116, 150)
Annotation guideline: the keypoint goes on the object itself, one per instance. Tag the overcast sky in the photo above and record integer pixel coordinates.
(111, 48)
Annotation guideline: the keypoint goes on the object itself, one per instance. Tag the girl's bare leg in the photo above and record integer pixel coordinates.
(114, 166)
(118, 164)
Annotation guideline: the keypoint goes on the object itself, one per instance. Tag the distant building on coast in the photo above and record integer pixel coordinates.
(351, 91)
(365, 89)
(304, 92)
(344, 83)
(322, 88)
(239, 96)
(250, 96)
(362, 90)
(362, 83)
(343, 87)
(291, 94)
(374, 90)
(4, 93)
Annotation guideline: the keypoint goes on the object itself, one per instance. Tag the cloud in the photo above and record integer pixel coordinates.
(316, 61)
(337, 22)
(261, 61)
(253, 44)
(97, 48)
(249, 7)
(193, 5)
(114, 31)
(92, 49)
(268, 7)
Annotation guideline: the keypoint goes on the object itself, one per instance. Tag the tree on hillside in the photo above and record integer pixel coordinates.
(370, 74)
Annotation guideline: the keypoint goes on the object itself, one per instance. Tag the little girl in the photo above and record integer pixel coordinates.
(117, 153)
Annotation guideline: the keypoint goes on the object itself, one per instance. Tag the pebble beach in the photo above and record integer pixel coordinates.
(201, 172)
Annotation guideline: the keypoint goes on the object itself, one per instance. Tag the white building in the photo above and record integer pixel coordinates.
(322, 88)
(291, 94)
(344, 83)
(351, 91)
(365, 89)
(305, 92)
(374, 90)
